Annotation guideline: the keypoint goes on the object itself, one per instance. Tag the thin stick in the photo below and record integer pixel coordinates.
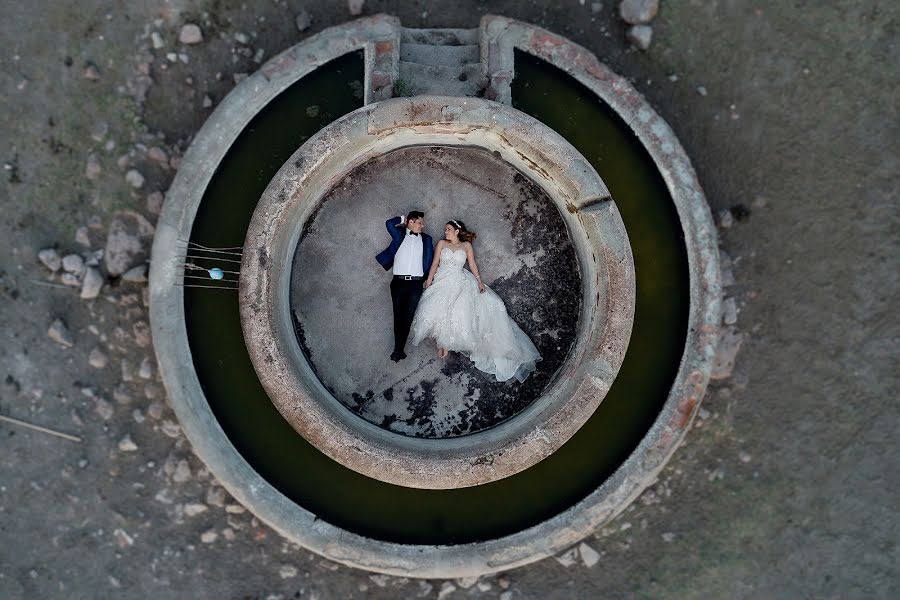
(211, 287)
(65, 436)
(48, 284)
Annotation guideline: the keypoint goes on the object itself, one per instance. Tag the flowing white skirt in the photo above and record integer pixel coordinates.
(460, 319)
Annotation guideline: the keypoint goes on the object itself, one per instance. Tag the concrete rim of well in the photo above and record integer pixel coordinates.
(595, 229)
(209, 441)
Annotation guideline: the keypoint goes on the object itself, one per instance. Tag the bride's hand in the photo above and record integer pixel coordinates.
(480, 287)
(428, 283)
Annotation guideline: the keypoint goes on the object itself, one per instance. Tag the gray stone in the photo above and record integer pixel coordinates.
(170, 429)
(60, 334)
(589, 556)
(182, 472)
(287, 571)
(98, 359)
(73, 263)
(157, 154)
(122, 394)
(447, 588)
(302, 21)
(99, 130)
(129, 236)
(127, 445)
(209, 536)
(216, 496)
(207, 101)
(91, 72)
(134, 178)
(760, 202)
(235, 509)
(146, 370)
(640, 36)
(355, 7)
(157, 40)
(155, 410)
(729, 344)
(195, 508)
(50, 258)
(93, 168)
(567, 558)
(701, 90)
(241, 38)
(729, 311)
(91, 284)
(726, 266)
(636, 12)
(136, 274)
(70, 279)
(726, 220)
(190, 34)
(104, 408)
(668, 537)
(155, 202)
(141, 332)
(82, 236)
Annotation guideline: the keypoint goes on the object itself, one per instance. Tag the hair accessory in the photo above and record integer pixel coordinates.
(455, 222)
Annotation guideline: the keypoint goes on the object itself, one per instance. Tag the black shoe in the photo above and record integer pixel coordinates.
(397, 356)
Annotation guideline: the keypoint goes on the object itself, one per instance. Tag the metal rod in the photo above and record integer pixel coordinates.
(212, 287)
(214, 251)
(65, 436)
(212, 258)
(206, 278)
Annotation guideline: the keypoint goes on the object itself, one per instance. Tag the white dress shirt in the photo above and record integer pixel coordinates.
(408, 260)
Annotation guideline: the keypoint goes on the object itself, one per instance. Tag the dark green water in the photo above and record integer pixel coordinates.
(383, 511)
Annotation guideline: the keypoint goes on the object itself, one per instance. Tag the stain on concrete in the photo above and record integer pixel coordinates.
(341, 301)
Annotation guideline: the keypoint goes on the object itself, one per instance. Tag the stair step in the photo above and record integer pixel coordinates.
(439, 37)
(418, 79)
(451, 56)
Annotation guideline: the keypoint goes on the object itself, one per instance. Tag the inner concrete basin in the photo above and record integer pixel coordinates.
(341, 301)
(274, 286)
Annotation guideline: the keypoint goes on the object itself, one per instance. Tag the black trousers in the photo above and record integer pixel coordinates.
(405, 297)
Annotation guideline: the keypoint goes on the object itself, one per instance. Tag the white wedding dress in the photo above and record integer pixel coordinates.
(460, 319)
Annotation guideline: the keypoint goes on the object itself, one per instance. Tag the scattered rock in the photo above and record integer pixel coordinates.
(136, 274)
(170, 428)
(729, 344)
(506, 595)
(287, 571)
(703, 414)
(209, 536)
(596, 7)
(150, 392)
(98, 359)
(235, 509)
(726, 221)
(760, 202)
(146, 370)
(447, 588)
(126, 371)
(729, 311)
(155, 410)
(640, 36)
(91, 72)
(467, 582)
(239, 77)
(137, 415)
(155, 202)
(129, 236)
(93, 168)
(744, 457)
(104, 408)
(636, 12)
(182, 472)
(302, 21)
(379, 580)
(701, 90)
(157, 40)
(503, 582)
(82, 236)
(70, 279)
(134, 178)
(141, 333)
(92, 283)
(207, 101)
(215, 496)
(717, 474)
(60, 334)
(727, 268)
(355, 6)
(190, 34)
(73, 263)
(126, 445)
(121, 394)
(241, 38)
(99, 130)
(668, 537)
(589, 556)
(195, 508)
(228, 534)
(568, 558)
(157, 154)
(122, 538)
(50, 258)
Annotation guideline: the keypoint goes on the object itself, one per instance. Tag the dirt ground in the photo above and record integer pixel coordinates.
(782, 490)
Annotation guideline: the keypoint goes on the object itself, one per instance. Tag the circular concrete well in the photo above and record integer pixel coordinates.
(555, 461)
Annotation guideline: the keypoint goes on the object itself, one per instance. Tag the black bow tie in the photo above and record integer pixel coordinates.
(413, 233)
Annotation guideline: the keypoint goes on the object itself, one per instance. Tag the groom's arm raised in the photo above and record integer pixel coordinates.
(393, 225)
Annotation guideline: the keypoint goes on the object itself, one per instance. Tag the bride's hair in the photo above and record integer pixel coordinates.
(464, 234)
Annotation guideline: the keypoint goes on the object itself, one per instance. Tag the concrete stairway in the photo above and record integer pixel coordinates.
(444, 62)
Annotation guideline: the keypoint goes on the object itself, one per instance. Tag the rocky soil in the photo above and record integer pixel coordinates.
(786, 487)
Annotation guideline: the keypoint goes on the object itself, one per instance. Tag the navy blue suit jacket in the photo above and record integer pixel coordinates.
(386, 257)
